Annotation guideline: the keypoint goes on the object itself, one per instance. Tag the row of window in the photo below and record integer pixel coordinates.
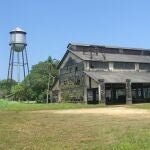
(122, 65)
(76, 82)
(119, 65)
(69, 69)
(144, 66)
(102, 65)
(72, 68)
(105, 65)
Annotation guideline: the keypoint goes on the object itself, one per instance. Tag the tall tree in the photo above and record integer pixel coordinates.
(5, 87)
(40, 75)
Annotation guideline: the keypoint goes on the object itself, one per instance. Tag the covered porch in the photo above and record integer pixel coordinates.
(117, 87)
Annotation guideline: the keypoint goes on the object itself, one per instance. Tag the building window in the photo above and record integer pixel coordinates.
(99, 65)
(144, 66)
(76, 69)
(70, 69)
(92, 65)
(124, 65)
(96, 52)
(65, 82)
(77, 82)
(67, 68)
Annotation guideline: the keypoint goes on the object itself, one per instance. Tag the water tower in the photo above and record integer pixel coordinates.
(18, 55)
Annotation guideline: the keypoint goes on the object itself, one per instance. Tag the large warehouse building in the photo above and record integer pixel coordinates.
(103, 74)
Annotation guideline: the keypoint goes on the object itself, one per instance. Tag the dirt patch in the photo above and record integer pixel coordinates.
(117, 111)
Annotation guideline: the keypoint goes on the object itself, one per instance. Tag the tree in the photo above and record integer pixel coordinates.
(34, 86)
(5, 87)
(40, 75)
(5, 84)
(19, 91)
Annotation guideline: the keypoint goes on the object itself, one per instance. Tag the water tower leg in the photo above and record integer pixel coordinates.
(24, 73)
(9, 65)
(18, 67)
(27, 60)
(12, 65)
(10, 69)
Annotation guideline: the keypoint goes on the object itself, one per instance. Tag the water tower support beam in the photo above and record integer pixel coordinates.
(12, 64)
(18, 67)
(9, 64)
(24, 73)
(27, 60)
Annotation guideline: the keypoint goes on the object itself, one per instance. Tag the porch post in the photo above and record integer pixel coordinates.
(85, 90)
(59, 92)
(128, 92)
(101, 91)
(59, 96)
(85, 95)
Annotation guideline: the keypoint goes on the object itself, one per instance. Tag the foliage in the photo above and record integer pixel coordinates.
(5, 86)
(35, 85)
(36, 82)
(19, 91)
(28, 106)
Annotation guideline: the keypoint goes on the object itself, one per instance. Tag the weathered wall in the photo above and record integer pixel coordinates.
(93, 83)
(56, 92)
(71, 80)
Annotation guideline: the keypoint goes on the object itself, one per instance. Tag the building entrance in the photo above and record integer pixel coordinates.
(115, 94)
(140, 93)
(92, 96)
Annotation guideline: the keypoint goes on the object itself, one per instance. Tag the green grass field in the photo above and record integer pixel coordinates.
(142, 106)
(17, 106)
(21, 128)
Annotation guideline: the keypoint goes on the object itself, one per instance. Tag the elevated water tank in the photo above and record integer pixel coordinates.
(18, 39)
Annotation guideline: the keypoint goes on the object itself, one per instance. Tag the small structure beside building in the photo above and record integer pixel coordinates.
(103, 74)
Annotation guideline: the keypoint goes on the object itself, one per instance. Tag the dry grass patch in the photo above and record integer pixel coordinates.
(117, 111)
(56, 130)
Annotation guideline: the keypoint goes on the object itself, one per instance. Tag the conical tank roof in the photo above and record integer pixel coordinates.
(17, 29)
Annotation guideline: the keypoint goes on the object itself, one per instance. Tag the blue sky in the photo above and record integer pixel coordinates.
(52, 24)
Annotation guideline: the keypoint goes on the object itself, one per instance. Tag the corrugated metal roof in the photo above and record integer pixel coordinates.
(106, 46)
(112, 57)
(119, 77)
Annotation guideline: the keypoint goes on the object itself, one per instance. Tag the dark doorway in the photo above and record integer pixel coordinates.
(92, 96)
(115, 94)
(140, 93)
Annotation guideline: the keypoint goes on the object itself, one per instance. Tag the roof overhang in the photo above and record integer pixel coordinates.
(119, 77)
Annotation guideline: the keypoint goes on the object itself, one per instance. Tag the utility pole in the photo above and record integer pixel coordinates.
(48, 84)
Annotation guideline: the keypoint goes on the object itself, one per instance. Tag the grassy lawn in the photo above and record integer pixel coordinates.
(17, 106)
(142, 106)
(45, 130)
